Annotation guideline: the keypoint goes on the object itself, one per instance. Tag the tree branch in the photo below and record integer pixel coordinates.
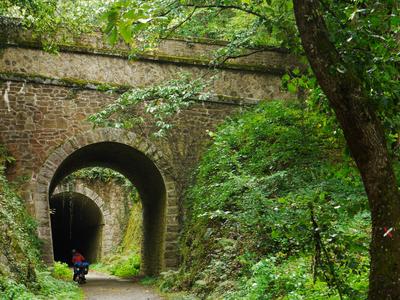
(171, 30)
(235, 7)
(239, 55)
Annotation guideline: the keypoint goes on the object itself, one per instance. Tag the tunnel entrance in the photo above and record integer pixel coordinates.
(77, 223)
(142, 173)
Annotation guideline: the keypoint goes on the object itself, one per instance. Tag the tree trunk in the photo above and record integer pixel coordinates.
(365, 136)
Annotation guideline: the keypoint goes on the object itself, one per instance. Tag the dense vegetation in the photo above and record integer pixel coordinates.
(126, 259)
(22, 274)
(277, 211)
(352, 48)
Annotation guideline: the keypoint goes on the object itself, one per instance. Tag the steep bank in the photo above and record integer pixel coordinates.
(277, 211)
(22, 274)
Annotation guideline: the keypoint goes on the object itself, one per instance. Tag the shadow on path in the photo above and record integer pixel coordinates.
(100, 286)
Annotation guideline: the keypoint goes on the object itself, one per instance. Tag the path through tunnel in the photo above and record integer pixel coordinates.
(144, 175)
(77, 223)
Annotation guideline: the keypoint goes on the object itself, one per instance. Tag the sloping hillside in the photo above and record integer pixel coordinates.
(22, 274)
(277, 211)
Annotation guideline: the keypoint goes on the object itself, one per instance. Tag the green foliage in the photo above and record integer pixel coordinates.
(290, 280)
(246, 23)
(61, 271)
(53, 288)
(122, 265)
(125, 262)
(147, 280)
(159, 101)
(366, 35)
(104, 175)
(127, 267)
(132, 240)
(21, 272)
(372, 38)
(18, 240)
(54, 21)
(5, 157)
(98, 173)
(267, 174)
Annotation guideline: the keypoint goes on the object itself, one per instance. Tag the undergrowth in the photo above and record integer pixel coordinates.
(120, 264)
(125, 261)
(277, 211)
(62, 271)
(22, 274)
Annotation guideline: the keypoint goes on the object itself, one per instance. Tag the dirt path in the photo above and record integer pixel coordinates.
(100, 286)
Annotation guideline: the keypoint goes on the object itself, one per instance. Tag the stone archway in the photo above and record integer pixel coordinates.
(76, 223)
(79, 189)
(110, 147)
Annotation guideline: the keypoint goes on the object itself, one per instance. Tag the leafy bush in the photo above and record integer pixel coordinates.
(275, 191)
(61, 271)
(126, 266)
(21, 272)
(122, 265)
(51, 287)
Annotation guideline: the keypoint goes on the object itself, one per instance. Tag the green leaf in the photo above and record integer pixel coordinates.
(126, 32)
(113, 36)
(292, 87)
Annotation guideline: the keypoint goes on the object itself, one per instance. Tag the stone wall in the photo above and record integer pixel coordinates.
(39, 119)
(46, 99)
(90, 68)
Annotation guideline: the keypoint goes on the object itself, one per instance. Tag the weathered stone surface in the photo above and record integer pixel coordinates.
(117, 70)
(46, 99)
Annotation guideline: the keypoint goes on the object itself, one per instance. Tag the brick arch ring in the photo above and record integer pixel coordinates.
(82, 189)
(168, 255)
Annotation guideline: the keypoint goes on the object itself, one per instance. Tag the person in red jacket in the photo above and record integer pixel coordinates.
(77, 259)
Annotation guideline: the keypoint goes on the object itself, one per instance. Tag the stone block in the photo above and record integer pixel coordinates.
(172, 210)
(171, 263)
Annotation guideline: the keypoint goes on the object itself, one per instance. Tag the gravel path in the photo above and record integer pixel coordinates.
(100, 286)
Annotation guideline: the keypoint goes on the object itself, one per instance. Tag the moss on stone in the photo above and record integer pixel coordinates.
(102, 86)
(69, 82)
(132, 240)
(81, 47)
(199, 61)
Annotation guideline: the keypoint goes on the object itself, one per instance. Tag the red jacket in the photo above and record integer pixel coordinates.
(77, 257)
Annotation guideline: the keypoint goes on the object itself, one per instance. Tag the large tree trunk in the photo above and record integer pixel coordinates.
(365, 136)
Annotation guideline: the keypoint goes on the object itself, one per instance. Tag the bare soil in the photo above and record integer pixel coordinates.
(100, 286)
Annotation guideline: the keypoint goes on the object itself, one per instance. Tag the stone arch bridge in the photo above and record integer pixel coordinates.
(46, 99)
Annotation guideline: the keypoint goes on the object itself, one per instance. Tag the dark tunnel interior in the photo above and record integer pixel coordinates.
(77, 223)
(143, 173)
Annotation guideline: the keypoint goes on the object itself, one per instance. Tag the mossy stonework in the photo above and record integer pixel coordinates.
(47, 98)
(115, 214)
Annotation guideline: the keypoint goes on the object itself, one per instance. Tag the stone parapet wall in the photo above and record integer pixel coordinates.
(89, 59)
(186, 51)
(89, 68)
